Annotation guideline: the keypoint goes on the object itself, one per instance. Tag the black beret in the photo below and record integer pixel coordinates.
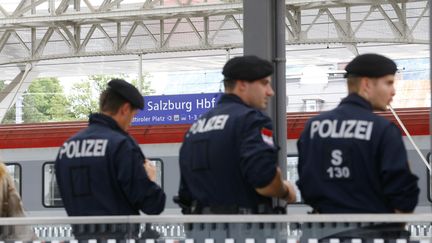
(248, 68)
(370, 65)
(127, 91)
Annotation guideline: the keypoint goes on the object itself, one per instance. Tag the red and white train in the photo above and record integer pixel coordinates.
(30, 149)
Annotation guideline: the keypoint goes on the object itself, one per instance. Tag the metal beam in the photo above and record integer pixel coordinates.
(4, 12)
(110, 5)
(89, 18)
(206, 22)
(89, 6)
(20, 40)
(20, 11)
(44, 41)
(164, 43)
(63, 6)
(70, 36)
(4, 38)
(65, 39)
(153, 38)
(18, 85)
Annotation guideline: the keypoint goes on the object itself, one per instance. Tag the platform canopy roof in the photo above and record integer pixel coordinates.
(82, 37)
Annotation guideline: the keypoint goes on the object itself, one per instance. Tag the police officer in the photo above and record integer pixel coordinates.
(101, 170)
(228, 160)
(352, 160)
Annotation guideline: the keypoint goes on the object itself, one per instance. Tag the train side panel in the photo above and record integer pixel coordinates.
(34, 147)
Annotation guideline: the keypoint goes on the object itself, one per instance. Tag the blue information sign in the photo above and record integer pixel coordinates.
(175, 109)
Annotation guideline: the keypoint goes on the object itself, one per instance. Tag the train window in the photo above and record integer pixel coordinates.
(159, 170)
(14, 169)
(292, 173)
(51, 193)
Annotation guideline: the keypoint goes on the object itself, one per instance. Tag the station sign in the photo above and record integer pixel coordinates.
(175, 109)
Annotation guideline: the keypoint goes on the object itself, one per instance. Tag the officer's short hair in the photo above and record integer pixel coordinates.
(353, 83)
(110, 101)
(229, 83)
(248, 68)
(117, 93)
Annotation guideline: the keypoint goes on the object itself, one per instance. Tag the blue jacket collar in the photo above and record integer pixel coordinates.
(104, 120)
(231, 98)
(357, 100)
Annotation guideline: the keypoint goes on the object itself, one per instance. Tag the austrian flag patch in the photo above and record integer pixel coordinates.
(267, 136)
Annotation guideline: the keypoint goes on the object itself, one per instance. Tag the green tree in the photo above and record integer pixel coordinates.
(43, 101)
(2, 85)
(84, 95)
(146, 88)
(82, 100)
(9, 117)
(10, 114)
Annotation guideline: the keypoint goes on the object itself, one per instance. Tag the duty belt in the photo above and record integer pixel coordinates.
(226, 210)
(261, 209)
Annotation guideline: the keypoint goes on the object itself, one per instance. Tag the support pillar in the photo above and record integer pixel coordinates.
(264, 36)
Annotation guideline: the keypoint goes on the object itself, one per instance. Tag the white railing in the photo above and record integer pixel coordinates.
(290, 218)
(216, 228)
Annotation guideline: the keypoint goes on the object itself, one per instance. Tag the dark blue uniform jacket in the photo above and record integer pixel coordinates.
(354, 161)
(226, 154)
(100, 172)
